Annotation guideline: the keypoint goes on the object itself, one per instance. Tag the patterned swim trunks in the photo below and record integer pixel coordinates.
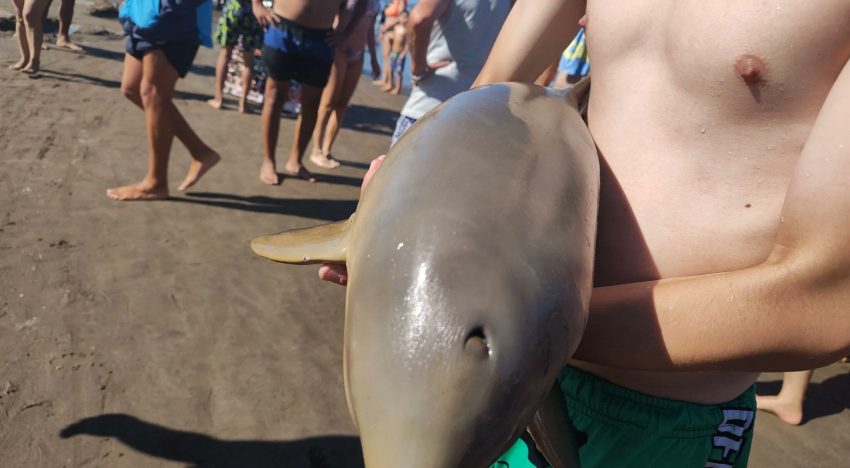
(237, 19)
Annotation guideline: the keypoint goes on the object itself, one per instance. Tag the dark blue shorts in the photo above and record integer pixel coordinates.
(180, 51)
(293, 52)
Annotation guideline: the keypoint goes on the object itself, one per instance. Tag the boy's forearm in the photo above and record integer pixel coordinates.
(772, 317)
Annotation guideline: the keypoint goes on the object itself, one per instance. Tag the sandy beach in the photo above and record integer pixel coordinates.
(148, 334)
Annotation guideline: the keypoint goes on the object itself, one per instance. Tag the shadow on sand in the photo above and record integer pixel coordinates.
(203, 70)
(325, 210)
(832, 396)
(92, 80)
(370, 119)
(203, 451)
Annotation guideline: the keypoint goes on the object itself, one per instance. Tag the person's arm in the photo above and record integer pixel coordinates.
(533, 35)
(370, 45)
(792, 312)
(264, 16)
(419, 25)
(347, 19)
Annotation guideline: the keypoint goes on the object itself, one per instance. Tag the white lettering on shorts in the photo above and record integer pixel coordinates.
(729, 437)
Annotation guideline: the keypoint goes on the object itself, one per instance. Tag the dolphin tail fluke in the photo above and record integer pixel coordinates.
(326, 243)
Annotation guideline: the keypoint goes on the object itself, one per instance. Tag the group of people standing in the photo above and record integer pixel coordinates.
(319, 45)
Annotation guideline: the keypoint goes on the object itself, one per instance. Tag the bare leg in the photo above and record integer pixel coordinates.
(370, 44)
(66, 14)
(220, 70)
(310, 98)
(204, 157)
(156, 89)
(276, 94)
(33, 14)
(788, 404)
(21, 34)
(388, 79)
(397, 88)
(386, 48)
(247, 76)
(330, 95)
(349, 84)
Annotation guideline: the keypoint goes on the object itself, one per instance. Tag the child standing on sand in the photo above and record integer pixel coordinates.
(237, 20)
(397, 56)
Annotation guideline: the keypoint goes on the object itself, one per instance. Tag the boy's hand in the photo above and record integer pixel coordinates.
(338, 273)
(336, 38)
(264, 16)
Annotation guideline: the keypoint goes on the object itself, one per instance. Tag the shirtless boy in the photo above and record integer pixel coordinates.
(298, 45)
(398, 56)
(724, 213)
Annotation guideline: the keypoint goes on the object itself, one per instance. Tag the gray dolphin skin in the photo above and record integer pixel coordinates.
(469, 258)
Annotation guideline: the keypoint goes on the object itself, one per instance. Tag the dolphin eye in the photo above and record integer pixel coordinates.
(476, 343)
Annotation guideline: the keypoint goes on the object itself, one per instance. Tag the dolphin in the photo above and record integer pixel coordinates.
(470, 260)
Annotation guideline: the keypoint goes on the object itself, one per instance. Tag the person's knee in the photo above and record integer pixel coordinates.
(31, 17)
(274, 93)
(131, 92)
(152, 95)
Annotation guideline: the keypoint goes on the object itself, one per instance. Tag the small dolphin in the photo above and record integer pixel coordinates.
(469, 258)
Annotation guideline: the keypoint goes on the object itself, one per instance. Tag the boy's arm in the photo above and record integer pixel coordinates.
(264, 16)
(419, 25)
(792, 312)
(348, 17)
(533, 36)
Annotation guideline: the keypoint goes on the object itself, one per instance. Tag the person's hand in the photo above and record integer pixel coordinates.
(336, 37)
(264, 16)
(427, 71)
(339, 273)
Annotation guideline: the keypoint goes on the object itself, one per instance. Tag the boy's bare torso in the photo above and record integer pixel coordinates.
(317, 14)
(700, 111)
(399, 37)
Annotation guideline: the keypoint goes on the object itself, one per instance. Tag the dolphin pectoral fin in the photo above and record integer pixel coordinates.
(553, 431)
(326, 243)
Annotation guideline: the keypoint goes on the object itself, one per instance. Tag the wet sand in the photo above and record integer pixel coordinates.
(148, 334)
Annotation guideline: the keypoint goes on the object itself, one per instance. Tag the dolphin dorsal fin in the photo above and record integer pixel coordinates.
(326, 243)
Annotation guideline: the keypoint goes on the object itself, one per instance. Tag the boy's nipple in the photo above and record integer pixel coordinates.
(752, 69)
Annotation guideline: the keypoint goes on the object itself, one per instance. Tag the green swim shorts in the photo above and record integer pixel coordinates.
(618, 427)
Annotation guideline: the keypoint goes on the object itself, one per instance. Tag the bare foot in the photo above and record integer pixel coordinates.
(268, 174)
(198, 168)
(19, 64)
(788, 411)
(327, 162)
(63, 43)
(395, 91)
(214, 103)
(137, 192)
(244, 108)
(387, 88)
(31, 68)
(300, 173)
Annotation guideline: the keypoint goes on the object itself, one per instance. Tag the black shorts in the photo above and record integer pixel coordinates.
(179, 54)
(174, 36)
(293, 52)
